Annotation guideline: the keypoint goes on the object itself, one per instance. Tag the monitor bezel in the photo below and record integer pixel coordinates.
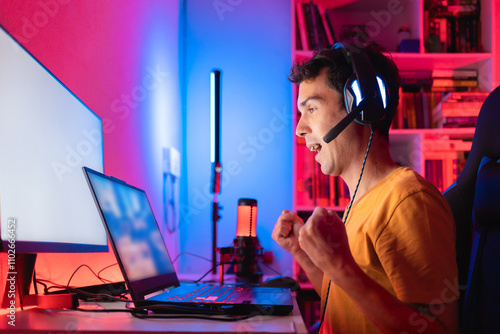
(34, 247)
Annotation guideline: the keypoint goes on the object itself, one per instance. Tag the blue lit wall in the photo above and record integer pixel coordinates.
(250, 41)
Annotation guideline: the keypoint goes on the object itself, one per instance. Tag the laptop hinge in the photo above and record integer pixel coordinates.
(156, 293)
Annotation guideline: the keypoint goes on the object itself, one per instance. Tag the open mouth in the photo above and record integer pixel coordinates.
(315, 148)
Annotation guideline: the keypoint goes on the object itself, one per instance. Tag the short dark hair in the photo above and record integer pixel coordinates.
(339, 71)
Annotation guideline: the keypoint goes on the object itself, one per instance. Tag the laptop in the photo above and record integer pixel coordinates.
(148, 269)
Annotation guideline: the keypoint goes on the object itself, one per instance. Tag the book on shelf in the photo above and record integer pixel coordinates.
(325, 40)
(298, 40)
(459, 122)
(327, 27)
(434, 172)
(437, 108)
(452, 26)
(461, 109)
(415, 80)
(457, 10)
(416, 110)
(439, 80)
(454, 79)
(328, 15)
(312, 33)
(452, 82)
(446, 145)
(301, 25)
(314, 27)
(454, 73)
(467, 96)
(444, 160)
(446, 89)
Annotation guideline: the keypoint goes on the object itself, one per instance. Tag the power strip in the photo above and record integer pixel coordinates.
(57, 301)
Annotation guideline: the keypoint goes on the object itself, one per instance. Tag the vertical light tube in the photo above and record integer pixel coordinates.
(215, 106)
(215, 184)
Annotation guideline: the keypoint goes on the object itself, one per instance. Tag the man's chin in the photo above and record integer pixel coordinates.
(325, 170)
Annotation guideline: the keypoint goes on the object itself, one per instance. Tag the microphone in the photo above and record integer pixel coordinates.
(337, 129)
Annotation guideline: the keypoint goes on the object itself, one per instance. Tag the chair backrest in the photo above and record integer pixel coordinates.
(481, 313)
(461, 194)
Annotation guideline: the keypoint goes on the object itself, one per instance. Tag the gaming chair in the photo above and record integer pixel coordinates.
(475, 201)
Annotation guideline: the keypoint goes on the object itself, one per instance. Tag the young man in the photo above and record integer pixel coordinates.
(391, 267)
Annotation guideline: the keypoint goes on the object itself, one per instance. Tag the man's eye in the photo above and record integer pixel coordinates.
(311, 110)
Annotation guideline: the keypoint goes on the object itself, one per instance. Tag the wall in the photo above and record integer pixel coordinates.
(121, 58)
(250, 42)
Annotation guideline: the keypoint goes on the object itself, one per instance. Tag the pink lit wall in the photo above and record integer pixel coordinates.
(121, 58)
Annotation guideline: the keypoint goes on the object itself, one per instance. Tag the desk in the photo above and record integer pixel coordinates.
(69, 321)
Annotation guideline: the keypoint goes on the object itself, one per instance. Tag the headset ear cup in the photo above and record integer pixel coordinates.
(379, 113)
(350, 97)
(349, 100)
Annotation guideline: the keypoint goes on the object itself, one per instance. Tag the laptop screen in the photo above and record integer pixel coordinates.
(132, 228)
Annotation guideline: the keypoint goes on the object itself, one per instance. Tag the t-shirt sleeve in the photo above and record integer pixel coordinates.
(417, 250)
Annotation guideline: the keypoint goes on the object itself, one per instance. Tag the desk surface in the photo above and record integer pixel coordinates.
(69, 321)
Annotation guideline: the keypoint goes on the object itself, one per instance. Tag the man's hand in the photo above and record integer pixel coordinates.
(286, 231)
(324, 239)
(286, 234)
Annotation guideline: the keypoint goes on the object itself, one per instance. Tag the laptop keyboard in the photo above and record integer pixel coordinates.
(210, 294)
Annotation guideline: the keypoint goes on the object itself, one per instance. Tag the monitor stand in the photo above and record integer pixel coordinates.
(19, 276)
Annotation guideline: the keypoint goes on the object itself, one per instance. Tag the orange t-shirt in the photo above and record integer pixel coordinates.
(401, 234)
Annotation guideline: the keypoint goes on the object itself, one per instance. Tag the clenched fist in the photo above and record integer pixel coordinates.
(324, 239)
(286, 231)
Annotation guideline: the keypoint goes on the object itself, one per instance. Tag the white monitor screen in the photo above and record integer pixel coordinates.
(46, 135)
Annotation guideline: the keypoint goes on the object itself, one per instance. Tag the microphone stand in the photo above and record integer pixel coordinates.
(215, 218)
(216, 178)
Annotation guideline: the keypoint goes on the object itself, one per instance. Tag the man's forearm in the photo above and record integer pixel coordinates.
(314, 274)
(386, 311)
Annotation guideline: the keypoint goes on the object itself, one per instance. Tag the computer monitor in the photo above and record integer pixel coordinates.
(46, 135)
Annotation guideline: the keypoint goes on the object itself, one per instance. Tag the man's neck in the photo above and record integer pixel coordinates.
(379, 165)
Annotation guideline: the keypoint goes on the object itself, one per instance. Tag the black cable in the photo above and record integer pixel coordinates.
(138, 312)
(100, 271)
(68, 288)
(103, 310)
(34, 282)
(268, 266)
(188, 253)
(76, 290)
(83, 265)
(347, 214)
(122, 298)
(187, 316)
(135, 311)
(208, 272)
(41, 283)
(47, 289)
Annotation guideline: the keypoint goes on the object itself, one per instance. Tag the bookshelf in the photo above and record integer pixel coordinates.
(412, 147)
(419, 148)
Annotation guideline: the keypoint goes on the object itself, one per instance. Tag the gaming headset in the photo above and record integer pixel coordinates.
(365, 93)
